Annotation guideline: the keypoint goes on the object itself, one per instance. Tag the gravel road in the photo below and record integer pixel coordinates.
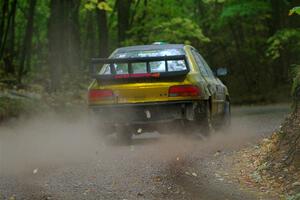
(62, 157)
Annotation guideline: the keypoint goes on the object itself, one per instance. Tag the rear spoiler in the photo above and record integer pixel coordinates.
(113, 75)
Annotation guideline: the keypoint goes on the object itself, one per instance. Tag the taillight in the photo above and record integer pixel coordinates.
(97, 95)
(184, 91)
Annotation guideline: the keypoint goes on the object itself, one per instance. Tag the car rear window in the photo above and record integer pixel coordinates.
(157, 66)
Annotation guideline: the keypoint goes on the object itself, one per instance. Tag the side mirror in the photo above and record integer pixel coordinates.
(221, 71)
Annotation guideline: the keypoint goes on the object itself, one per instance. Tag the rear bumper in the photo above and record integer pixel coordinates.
(146, 113)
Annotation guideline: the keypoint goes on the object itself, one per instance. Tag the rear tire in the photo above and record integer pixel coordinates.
(202, 126)
(206, 121)
(224, 122)
(226, 117)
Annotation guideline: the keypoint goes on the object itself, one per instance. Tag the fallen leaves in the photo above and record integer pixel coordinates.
(139, 194)
(265, 166)
(13, 197)
(35, 171)
(194, 174)
(157, 179)
(86, 192)
(187, 173)
(217, 153)
(297, 183)
(139, 131)
(132, 148)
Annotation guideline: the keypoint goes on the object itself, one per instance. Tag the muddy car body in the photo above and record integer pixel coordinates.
(140, 86)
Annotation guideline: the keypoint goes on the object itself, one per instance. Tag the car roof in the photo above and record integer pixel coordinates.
(150, 47)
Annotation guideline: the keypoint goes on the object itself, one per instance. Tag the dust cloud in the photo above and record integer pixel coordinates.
(54, 140)
(47, 139)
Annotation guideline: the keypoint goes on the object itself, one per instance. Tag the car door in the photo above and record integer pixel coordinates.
(216, 89)
(220, 88)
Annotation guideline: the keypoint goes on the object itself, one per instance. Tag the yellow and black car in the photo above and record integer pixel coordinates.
(143, 86)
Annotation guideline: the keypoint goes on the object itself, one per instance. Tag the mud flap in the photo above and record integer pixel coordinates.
(190, 111)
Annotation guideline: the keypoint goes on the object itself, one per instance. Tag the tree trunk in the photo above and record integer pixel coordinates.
(103, 32)
(64, 40)
(141, 20)
(55, 43)
(279, 15)
(72, 36)
(89, 47)
(134, 12)
(4, 10)
(123, 7)
(27, 39)
(11, 29)
(7, 32)
(237, 36)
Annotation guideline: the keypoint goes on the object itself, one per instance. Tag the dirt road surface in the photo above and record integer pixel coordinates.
(63, 157)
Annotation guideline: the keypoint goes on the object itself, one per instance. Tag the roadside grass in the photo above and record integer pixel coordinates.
(15, 103)
(12, 106)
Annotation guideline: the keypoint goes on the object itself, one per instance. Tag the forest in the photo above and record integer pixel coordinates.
(54, 148)
(49, 42)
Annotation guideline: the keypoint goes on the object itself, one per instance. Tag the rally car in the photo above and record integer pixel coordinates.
(139, 87)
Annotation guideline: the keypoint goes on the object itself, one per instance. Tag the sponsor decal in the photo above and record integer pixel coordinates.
(144, 75)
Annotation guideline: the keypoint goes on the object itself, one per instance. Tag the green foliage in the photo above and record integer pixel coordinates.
(177, 30)
(93, 4)
(295, 10)
(213, 1)
(294, 35)
(294, 197)
(256, 40)
(283, 40)
(245, 9)
(11, 106)
(296, 79)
